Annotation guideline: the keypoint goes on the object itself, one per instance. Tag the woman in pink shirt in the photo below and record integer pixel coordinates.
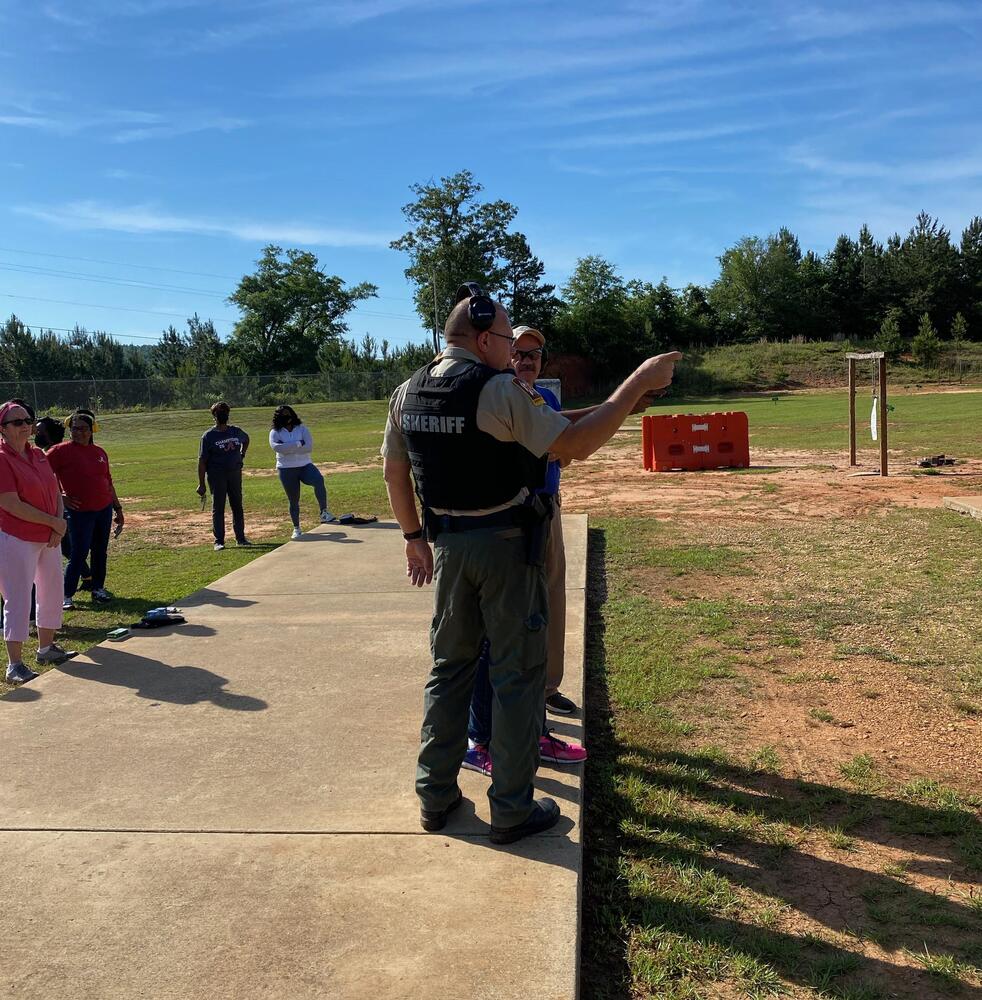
(31, 526)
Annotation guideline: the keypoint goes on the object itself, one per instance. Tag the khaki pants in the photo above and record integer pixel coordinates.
(555, 567)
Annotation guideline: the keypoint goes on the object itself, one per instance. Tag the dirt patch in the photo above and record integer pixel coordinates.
(180, 529)
(326, 467)
(871, 708)
(781, 486)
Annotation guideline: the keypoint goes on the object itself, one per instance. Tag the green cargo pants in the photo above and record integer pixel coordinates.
(484, 587)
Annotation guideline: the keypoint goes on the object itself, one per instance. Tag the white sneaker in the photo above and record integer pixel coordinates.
(327, 517)
(297, 533)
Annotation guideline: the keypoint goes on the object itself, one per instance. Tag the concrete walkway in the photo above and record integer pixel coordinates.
(965, 505)
(227, 810)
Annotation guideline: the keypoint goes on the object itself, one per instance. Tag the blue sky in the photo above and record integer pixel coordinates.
(150, 148)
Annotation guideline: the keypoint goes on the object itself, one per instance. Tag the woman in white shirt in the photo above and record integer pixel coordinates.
(293, 445)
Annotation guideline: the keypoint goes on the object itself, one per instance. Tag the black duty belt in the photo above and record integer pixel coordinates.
(440, 523)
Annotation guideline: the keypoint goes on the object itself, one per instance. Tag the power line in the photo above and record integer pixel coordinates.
(96, 305)
(149, 267)
(158, 312)
(43, 327)
(46, 272)
(118, 263)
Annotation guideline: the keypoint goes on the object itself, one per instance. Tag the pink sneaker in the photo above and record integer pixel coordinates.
(478, 759)
(557, 751)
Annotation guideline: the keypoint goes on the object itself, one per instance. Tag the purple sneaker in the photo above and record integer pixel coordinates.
(557, 751)
(478, 759)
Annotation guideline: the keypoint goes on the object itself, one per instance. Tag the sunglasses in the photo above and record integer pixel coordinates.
(503, 336)
(19, 422)
(535, 354)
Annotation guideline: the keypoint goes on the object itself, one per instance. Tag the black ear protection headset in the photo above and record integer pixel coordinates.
(480, 308)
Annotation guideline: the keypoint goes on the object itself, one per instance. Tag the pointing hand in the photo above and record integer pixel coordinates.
(657, 372)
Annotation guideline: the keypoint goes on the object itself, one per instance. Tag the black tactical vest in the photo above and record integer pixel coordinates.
(455, 465)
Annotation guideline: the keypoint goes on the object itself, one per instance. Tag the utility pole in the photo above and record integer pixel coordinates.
(436, 322)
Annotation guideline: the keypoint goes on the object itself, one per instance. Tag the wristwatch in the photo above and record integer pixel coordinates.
(411, 536)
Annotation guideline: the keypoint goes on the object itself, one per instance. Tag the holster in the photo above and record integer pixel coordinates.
(535, 518)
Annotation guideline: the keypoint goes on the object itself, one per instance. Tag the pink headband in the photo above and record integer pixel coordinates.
(7, 407)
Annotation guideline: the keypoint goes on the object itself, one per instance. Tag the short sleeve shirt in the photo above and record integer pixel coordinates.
(507, 409)
(553, 470)
(31, 477)
(83, 471)
(223, 449)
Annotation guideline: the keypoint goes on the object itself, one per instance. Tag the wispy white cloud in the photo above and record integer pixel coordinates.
(666, 136)
(911, 172)
(122, 125)
(185, 126)
(260, 21)
(61, 15)
(146, 219)
(809, 21)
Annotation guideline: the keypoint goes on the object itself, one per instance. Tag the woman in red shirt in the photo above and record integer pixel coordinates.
(31, 526)
(89, 496)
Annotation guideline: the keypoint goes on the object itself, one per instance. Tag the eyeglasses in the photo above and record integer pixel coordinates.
(19, 422)
(534, 355)
(502, 336)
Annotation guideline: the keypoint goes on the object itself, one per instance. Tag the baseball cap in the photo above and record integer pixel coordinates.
(529, 331)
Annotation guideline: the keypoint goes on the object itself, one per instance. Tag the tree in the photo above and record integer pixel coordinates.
(757, 291)
(873, 281)
(453, 238)
(17, 351)
(169, 353)
(529, 301)
(959, 333)
(890, 339)
(970, 276)
(593, 321)
(924, 271)
(652, 316)
(205, 350)
(926, 345)
(698, 319)
(844, 289)
(290, 310)
(811, 294)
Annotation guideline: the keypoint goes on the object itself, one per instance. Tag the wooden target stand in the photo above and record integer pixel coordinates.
(881, 362)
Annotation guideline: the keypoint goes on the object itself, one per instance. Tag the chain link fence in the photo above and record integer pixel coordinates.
(103, 395)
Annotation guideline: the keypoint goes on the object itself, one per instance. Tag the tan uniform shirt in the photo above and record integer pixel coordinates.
(507, 409)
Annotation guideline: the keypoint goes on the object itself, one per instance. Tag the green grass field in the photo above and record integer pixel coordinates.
(721, 865)
(724, 858)
(929, 423)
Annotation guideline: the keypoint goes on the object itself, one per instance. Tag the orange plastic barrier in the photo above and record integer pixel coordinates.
(687, 442)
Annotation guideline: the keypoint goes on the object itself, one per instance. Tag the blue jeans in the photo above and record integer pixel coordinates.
(479, 719)
(89, 533)
(291, 479)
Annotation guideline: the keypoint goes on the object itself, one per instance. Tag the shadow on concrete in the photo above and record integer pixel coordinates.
(330, 536)
(158, 681)
(548, 848)
(189, 629)
(216, 598)
(21, 694)
(553, 788)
